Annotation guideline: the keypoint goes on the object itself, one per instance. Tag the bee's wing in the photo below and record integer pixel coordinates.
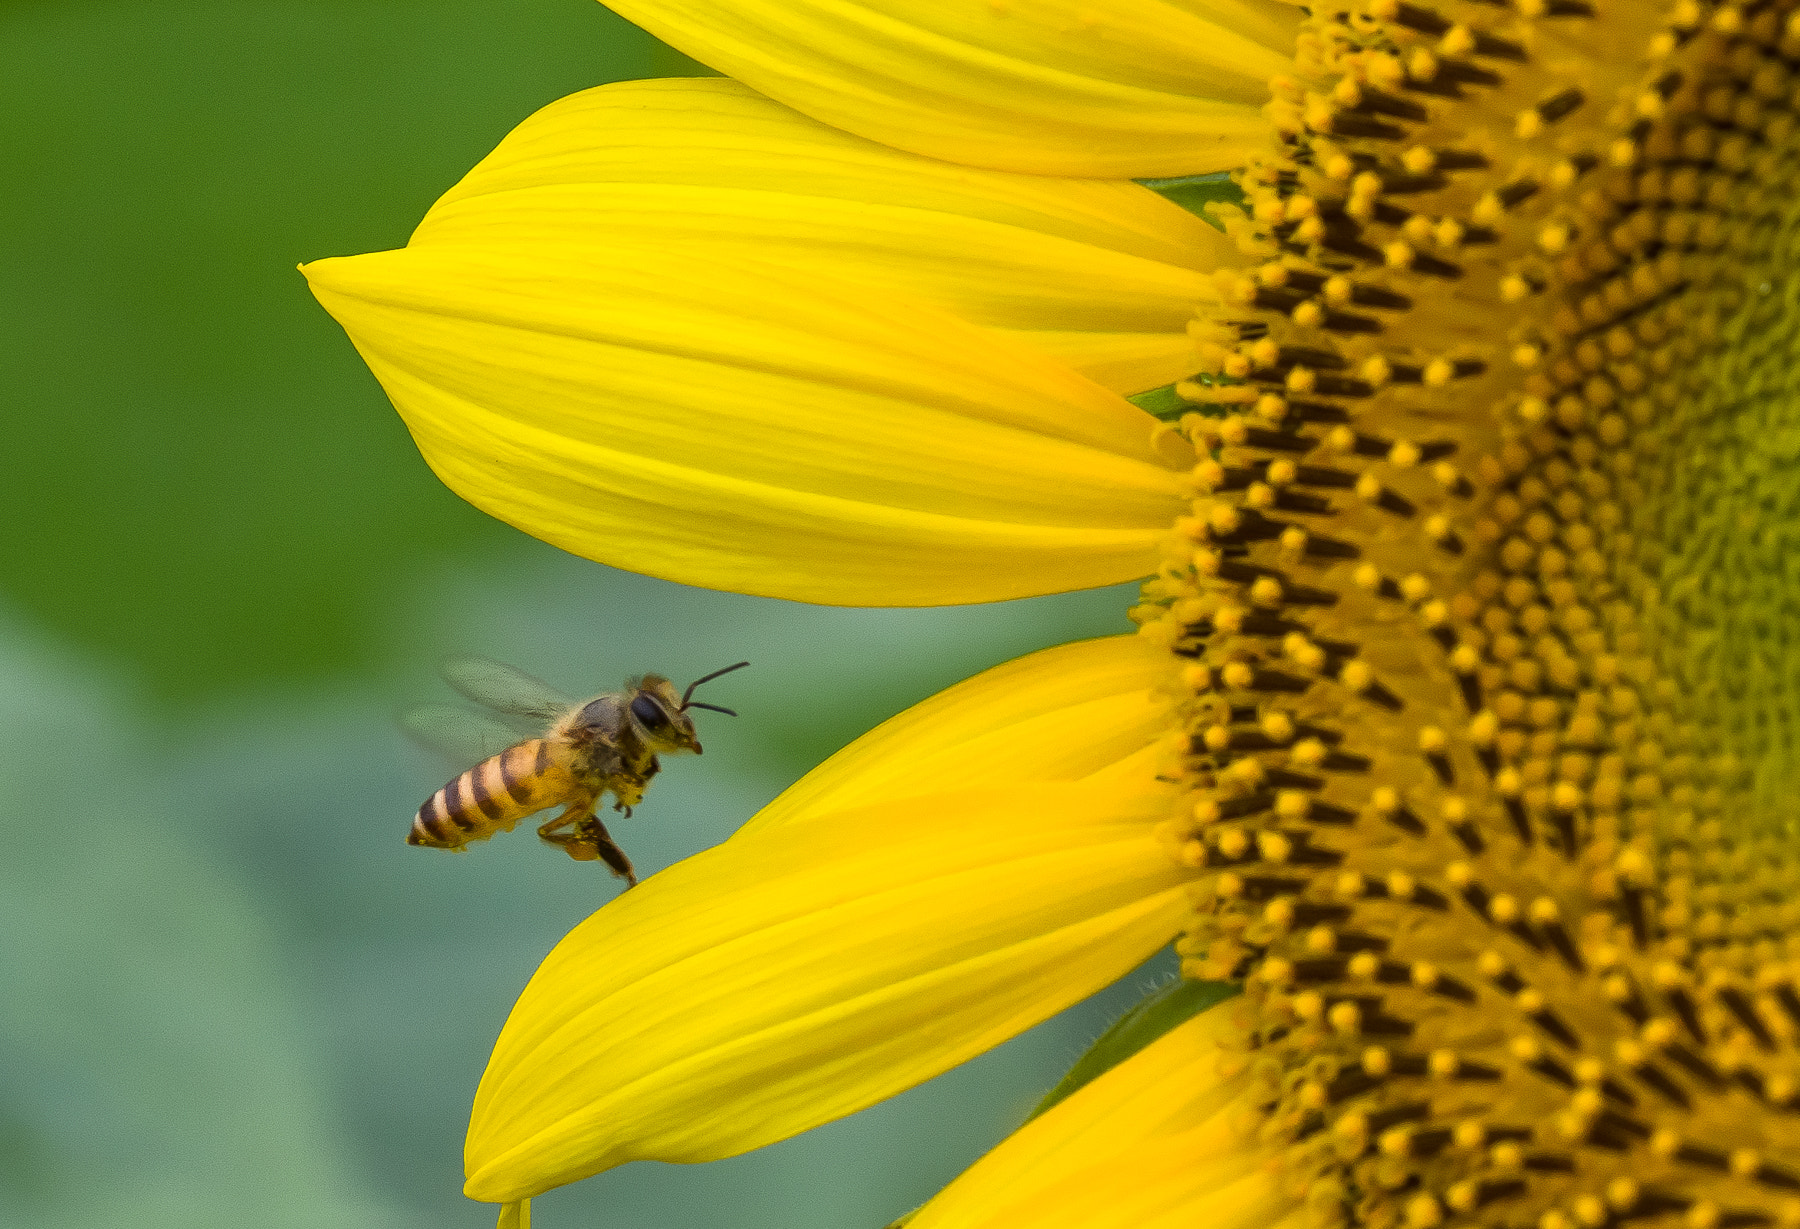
(464, 736)
(500, 687)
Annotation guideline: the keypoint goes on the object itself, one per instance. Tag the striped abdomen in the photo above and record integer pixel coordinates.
(495, 794)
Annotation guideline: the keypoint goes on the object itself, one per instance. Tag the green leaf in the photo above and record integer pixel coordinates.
(1164, 403)
(1195, 192)
(1158, 1013)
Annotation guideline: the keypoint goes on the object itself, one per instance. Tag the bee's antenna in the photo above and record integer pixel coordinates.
(711, 708)
(687, 696)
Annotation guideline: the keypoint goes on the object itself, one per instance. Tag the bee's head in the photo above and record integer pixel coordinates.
(660, 715)
(655, 712)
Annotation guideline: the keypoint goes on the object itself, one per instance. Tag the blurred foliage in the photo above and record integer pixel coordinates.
(156, 1073)
(201, 480)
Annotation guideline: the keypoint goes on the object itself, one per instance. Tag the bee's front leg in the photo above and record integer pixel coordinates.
(629, 783)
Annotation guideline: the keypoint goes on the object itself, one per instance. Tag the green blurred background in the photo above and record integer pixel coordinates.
(229, 994)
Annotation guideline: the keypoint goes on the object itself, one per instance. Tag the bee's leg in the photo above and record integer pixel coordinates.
(628, 790)
(589, 842)
(574, 813)
(575, 844)
(607, 850)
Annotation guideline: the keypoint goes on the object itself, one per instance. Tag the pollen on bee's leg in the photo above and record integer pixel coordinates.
(1478, 616)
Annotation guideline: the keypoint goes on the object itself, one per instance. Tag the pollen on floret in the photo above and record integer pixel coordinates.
(1477, 796)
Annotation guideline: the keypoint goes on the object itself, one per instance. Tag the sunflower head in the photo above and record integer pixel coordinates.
(1459, 724)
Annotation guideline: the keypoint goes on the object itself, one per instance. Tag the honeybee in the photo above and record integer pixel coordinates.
(606, 745)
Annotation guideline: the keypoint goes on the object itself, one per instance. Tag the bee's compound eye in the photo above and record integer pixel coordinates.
(649, 712)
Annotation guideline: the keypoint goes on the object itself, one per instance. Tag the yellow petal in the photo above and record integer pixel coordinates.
(742, 426)
(1156, 1141)
(801, 973)
(1059, 714)
(1120, 89)
(708, 161)
(714, 133)
(1124, 362)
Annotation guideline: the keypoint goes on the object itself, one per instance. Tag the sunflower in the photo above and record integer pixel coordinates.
(1461, 454)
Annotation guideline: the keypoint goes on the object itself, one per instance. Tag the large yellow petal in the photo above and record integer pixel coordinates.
(1120, 89)
(1157, 1141)
(1124, 362)
(741, 426)
(1059, 714)
(1106, 275)
(803, 972)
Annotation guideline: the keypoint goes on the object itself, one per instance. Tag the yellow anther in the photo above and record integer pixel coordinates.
(1424, 1212)
(1293, 804)
(1419, 160)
